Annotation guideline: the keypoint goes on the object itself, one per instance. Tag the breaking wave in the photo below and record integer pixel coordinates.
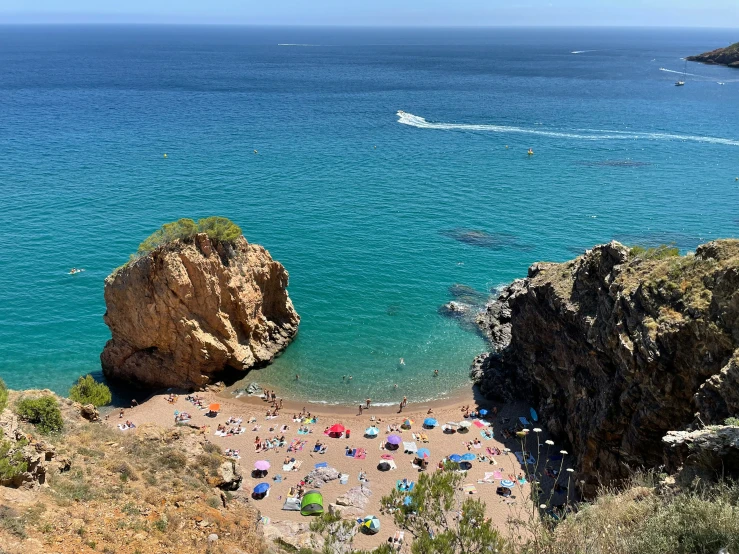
(421, 123)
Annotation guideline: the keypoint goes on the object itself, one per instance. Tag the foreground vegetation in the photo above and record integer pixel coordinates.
(89, 391)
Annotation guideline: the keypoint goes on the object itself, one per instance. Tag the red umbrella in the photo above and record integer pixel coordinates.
(338, 428)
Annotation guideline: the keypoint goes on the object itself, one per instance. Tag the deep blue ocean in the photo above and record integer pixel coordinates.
(370, 211)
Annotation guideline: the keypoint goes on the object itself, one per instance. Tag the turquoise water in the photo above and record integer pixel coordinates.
(368, 210)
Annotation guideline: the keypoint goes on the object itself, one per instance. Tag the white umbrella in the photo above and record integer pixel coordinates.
(464, 424)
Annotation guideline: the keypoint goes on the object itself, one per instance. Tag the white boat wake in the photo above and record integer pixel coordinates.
(421, 123)
(582, 51)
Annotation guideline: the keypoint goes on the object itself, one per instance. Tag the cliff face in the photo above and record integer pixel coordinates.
(721, 56)
(186, 312)
(616, 349)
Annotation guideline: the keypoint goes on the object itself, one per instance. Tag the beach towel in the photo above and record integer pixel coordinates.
(476, 445)
(343, 478)
(469, 489)
(321, 464)
(486, 435)
(288, 467)
(478, 423)
(392, 464)
(300, 445)
(297, 465)
(424, 437)
(522, 481)
(350, 453)
(323, 449)
(497, 475)
(529, 460)
(490, 476)
(524, 421)
(360, 454)
(220, 434)
(410, 447)
(256, 428)
(304, 432)
(293, 443)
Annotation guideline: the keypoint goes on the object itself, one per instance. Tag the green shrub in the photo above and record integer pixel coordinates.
(217, 228)
(89, 391)
(655, 253)
(3, 395)
(12, 463)
(732, 421)
(43, 412)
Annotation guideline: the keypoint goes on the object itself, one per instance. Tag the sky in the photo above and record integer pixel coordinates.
(404, 13)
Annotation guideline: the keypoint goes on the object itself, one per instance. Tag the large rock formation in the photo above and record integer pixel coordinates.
(721, 56)
(615, 349)
(188, 311)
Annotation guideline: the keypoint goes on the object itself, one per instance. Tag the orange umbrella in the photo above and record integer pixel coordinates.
(215, 407)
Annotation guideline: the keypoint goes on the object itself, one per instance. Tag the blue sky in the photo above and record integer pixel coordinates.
(688, 13)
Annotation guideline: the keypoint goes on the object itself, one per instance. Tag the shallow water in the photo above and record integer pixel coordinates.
(369, 210)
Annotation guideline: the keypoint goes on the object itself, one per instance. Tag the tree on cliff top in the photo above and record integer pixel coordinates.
(217, 228)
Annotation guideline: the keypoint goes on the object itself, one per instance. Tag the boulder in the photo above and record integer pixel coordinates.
(319, 476)
(356, 497)
(89, 412)
(191, 311)
(229, 476)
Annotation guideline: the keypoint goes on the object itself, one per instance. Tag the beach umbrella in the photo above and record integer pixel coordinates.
(215, 407)
(507, 483)
(456, 458)
(395, 440)
(337, 428)
(261, 488)
(430, 422)
(407, 423)
(469, 457)
(383, 466)
(371, 524)
(423, 453)
(452, 424)
(371, 431)
(483, 412)
(448, 429)
(262, 465)
(465, 424)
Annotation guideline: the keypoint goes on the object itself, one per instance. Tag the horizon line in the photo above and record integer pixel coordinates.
(10, 23)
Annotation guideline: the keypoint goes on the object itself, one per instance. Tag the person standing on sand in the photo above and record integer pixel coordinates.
(405, 401)
(360, 409)
(401, 408)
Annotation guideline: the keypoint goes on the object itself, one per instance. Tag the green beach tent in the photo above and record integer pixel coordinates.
(312, 504)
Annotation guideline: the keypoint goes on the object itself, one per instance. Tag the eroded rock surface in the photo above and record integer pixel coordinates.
(188, 311)
(615, 349)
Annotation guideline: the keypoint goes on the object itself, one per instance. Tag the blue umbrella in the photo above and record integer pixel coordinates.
(423, 453)
(430, 422)
(261, 488)
(483, 412)
(456, 458)
(508, 484)
(371, 431)
(469, 457)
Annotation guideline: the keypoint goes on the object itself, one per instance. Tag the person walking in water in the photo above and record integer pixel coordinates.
(297, 377)
(368, 402)
(436, 373)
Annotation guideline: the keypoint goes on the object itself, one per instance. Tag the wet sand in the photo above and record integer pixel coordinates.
(441, 444)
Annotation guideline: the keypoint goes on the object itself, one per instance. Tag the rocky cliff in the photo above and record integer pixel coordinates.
(191, 310)
(721, 56)
(616, 348)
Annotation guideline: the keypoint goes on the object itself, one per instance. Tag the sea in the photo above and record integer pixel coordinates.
(386, 168)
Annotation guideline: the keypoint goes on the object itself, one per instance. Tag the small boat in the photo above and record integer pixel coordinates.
(681, 82)
(75, 271)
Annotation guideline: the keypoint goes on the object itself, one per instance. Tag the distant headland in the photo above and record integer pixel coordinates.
(728, 56)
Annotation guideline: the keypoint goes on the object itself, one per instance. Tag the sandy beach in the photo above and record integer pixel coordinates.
(485, 475)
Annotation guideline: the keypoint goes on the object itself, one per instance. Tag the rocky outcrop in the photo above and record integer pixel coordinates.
(617, 348)
(715, 449)
(721, 56)
(189, 311)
